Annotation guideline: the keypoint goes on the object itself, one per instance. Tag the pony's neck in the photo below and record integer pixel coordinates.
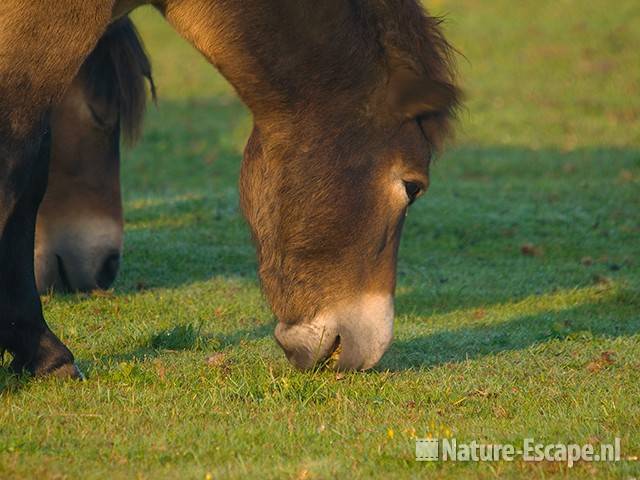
(280, 55)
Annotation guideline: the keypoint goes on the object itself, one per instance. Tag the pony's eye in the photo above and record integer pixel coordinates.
(413, 191)
(103, 119)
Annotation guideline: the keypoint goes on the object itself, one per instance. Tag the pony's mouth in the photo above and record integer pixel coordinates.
(349, 336)
(334, 354)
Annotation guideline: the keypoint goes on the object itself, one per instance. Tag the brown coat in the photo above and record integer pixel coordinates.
(350, 99)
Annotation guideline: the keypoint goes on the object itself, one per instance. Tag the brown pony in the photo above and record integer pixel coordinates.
(350, 99)
(80, 226)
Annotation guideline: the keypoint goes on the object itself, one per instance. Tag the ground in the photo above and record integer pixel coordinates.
(518, 306)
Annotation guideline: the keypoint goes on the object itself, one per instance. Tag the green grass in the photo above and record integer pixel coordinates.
(184, 378)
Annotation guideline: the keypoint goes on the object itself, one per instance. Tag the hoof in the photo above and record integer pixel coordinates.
(50, 357)
(64, 371)
(69, 370)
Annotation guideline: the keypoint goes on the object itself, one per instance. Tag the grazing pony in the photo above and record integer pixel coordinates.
(350, 100)
(80, 226)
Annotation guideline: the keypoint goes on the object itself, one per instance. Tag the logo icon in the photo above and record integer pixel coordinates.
(427, 449)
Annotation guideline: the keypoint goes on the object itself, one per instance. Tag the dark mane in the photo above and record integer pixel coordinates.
(116, 71)
(408, 37)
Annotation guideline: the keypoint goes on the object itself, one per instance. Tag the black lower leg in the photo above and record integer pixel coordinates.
(23, 330)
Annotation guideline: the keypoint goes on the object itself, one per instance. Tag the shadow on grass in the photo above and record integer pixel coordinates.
(175, 339)
(179, 241)
(460, 246)
(615, 317)
(181, 338)
(485, 204)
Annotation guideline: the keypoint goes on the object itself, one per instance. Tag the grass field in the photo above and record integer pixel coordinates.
(518, 305)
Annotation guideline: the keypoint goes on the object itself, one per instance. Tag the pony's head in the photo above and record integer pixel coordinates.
(80, 226)
(333, 165)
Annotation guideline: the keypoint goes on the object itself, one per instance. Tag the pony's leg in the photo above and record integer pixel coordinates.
(32, 78)
(23, 330)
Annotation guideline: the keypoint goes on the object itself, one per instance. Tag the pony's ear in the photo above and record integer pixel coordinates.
(413, 96)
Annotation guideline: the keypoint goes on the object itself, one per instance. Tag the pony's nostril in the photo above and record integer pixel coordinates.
(108, 272)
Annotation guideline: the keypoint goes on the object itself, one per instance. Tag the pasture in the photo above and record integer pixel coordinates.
(518, 299)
